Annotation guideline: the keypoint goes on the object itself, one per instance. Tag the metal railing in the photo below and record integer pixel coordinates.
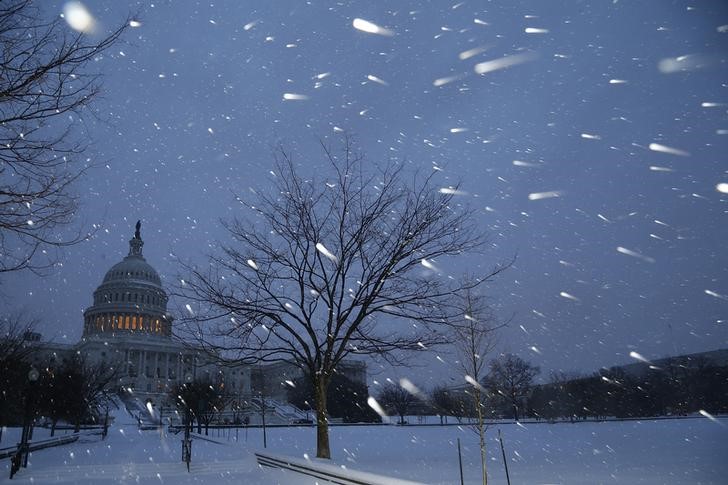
(41, 444)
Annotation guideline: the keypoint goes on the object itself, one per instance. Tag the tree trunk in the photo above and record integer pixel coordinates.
(77, 426)
(481, 436)
(322, 419)
(515, 411)
(53, 427)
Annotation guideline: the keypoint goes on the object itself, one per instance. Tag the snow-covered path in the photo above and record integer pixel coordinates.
(243, 470)
(132, 456)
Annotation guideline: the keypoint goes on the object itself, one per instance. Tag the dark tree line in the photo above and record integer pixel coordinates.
(15, 353)
(75, 391)
(674, 389)
(677, 387)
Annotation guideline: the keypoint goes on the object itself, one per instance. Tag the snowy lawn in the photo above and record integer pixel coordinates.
(637, 452)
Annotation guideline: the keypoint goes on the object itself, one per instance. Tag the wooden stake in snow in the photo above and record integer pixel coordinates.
(460, 459)
(503, 452)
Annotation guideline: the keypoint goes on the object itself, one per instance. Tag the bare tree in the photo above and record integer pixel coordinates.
(202, 399)
(444, 403)
(306, 279)
(15, 342)
(82, 387)
(474, 339)
(397, 399)
(45, 86)
(15, 352)
(512, 378)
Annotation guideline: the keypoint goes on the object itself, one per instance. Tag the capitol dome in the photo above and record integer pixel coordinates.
(133, 268)
(130, 299)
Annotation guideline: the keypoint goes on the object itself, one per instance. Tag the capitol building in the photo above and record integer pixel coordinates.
(128, 325)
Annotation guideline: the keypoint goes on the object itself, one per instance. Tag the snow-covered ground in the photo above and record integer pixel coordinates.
(637, 452)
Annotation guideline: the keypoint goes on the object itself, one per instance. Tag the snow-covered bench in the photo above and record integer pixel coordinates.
(326, 471)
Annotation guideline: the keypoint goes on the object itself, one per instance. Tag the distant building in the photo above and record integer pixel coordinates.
(128, 325)
(711, 358)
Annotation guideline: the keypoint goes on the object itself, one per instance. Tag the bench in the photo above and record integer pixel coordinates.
(326, 471)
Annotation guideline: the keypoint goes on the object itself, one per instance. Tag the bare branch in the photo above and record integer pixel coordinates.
(45, 88)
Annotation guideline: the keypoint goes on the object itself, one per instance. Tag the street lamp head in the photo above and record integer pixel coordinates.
(33, 375)
(188, 378)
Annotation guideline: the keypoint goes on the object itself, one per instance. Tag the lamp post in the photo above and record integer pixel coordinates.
(187, 442)
(262, 410)
(105, 431)
(261, 396)
(21, 456)
(161, 420)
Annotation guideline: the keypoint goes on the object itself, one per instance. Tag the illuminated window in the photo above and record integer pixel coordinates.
(127, 321)
(134, 323)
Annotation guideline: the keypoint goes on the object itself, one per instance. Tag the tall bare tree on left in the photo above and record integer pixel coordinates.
(45, 87)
